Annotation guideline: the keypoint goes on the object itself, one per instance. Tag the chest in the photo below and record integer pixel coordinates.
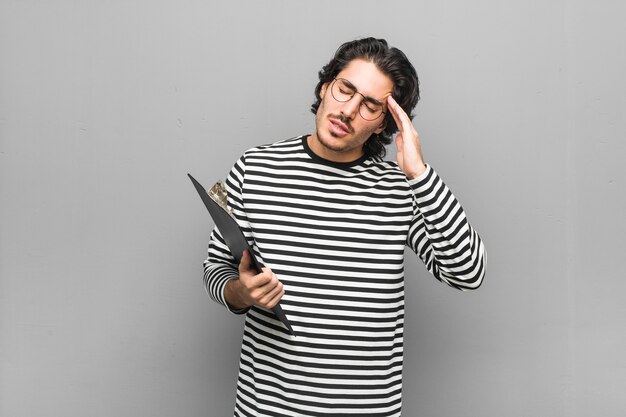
(319, 201)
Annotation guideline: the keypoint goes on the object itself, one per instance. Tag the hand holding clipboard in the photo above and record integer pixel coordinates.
(236, 241)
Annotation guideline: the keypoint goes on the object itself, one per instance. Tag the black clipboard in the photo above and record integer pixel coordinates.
(236, 241)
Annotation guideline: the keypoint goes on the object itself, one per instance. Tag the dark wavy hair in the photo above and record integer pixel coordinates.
(390, 61)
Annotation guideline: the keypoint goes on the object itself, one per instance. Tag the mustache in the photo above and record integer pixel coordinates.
(342, 119)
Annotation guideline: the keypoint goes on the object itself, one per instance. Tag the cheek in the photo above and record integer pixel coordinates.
(321, 109)
(325, 106)
(366, 126)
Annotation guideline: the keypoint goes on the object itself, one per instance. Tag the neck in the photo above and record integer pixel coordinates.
(326, 151)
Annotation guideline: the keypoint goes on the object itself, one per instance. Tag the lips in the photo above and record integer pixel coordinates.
(338, 128)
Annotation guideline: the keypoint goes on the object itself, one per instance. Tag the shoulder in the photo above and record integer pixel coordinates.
(285, 146)
(385, 176)
(263, 155)
(384, 168)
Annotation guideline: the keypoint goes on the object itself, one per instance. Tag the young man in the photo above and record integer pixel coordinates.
(329, 219)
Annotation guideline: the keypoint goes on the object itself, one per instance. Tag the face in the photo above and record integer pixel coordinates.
(340, 131)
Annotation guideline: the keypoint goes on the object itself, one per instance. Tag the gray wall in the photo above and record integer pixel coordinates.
(105, 106)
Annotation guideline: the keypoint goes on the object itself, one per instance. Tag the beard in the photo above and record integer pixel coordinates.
(338, 143)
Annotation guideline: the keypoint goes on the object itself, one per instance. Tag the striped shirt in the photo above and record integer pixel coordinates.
(334, 234)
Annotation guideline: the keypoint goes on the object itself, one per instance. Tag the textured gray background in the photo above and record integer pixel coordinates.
(105, 106)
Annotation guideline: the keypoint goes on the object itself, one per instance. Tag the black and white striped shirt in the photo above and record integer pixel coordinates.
(334, 234)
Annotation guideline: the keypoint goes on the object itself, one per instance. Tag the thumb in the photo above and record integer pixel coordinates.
(400, 150)
(246, 262)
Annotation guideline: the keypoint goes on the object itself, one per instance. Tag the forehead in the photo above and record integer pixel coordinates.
(367, 78)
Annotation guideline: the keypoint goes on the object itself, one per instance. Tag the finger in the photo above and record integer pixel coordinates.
(407, 141)
(400, 146)
(268, 290)
(399, 115)
(272, 303)
(275, 299)
(400, 150)
(397, 109)
(264, 280)
(272, 297)
(245, 265)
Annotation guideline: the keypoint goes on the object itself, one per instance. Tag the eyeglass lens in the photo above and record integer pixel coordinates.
(342, 91)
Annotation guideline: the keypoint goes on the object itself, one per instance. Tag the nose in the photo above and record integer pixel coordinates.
(350, 108)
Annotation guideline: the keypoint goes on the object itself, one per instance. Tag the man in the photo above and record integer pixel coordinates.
(329, 219)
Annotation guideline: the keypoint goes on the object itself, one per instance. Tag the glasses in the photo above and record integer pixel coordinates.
(343, 90)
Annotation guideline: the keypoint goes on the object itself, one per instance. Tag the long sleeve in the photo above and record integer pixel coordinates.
(442, 237)
(336, 236)
(220, 265)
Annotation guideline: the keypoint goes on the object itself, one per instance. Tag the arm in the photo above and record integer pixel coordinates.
(439, 233)
(238, 287)
(441, 236)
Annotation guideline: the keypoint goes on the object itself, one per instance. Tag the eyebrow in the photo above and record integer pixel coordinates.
(367, 98)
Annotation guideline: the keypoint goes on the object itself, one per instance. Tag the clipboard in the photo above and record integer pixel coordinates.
(236, 241)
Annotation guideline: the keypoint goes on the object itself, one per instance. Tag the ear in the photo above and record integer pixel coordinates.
(323, 90)
(381, 127)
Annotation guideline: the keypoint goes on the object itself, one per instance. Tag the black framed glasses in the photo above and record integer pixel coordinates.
(343, 90)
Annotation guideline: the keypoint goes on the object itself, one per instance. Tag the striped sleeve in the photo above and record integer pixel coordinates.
(441, 235)
(220, 265)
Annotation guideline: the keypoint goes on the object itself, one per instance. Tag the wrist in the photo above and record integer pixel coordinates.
(416, 171)
(233, 295)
